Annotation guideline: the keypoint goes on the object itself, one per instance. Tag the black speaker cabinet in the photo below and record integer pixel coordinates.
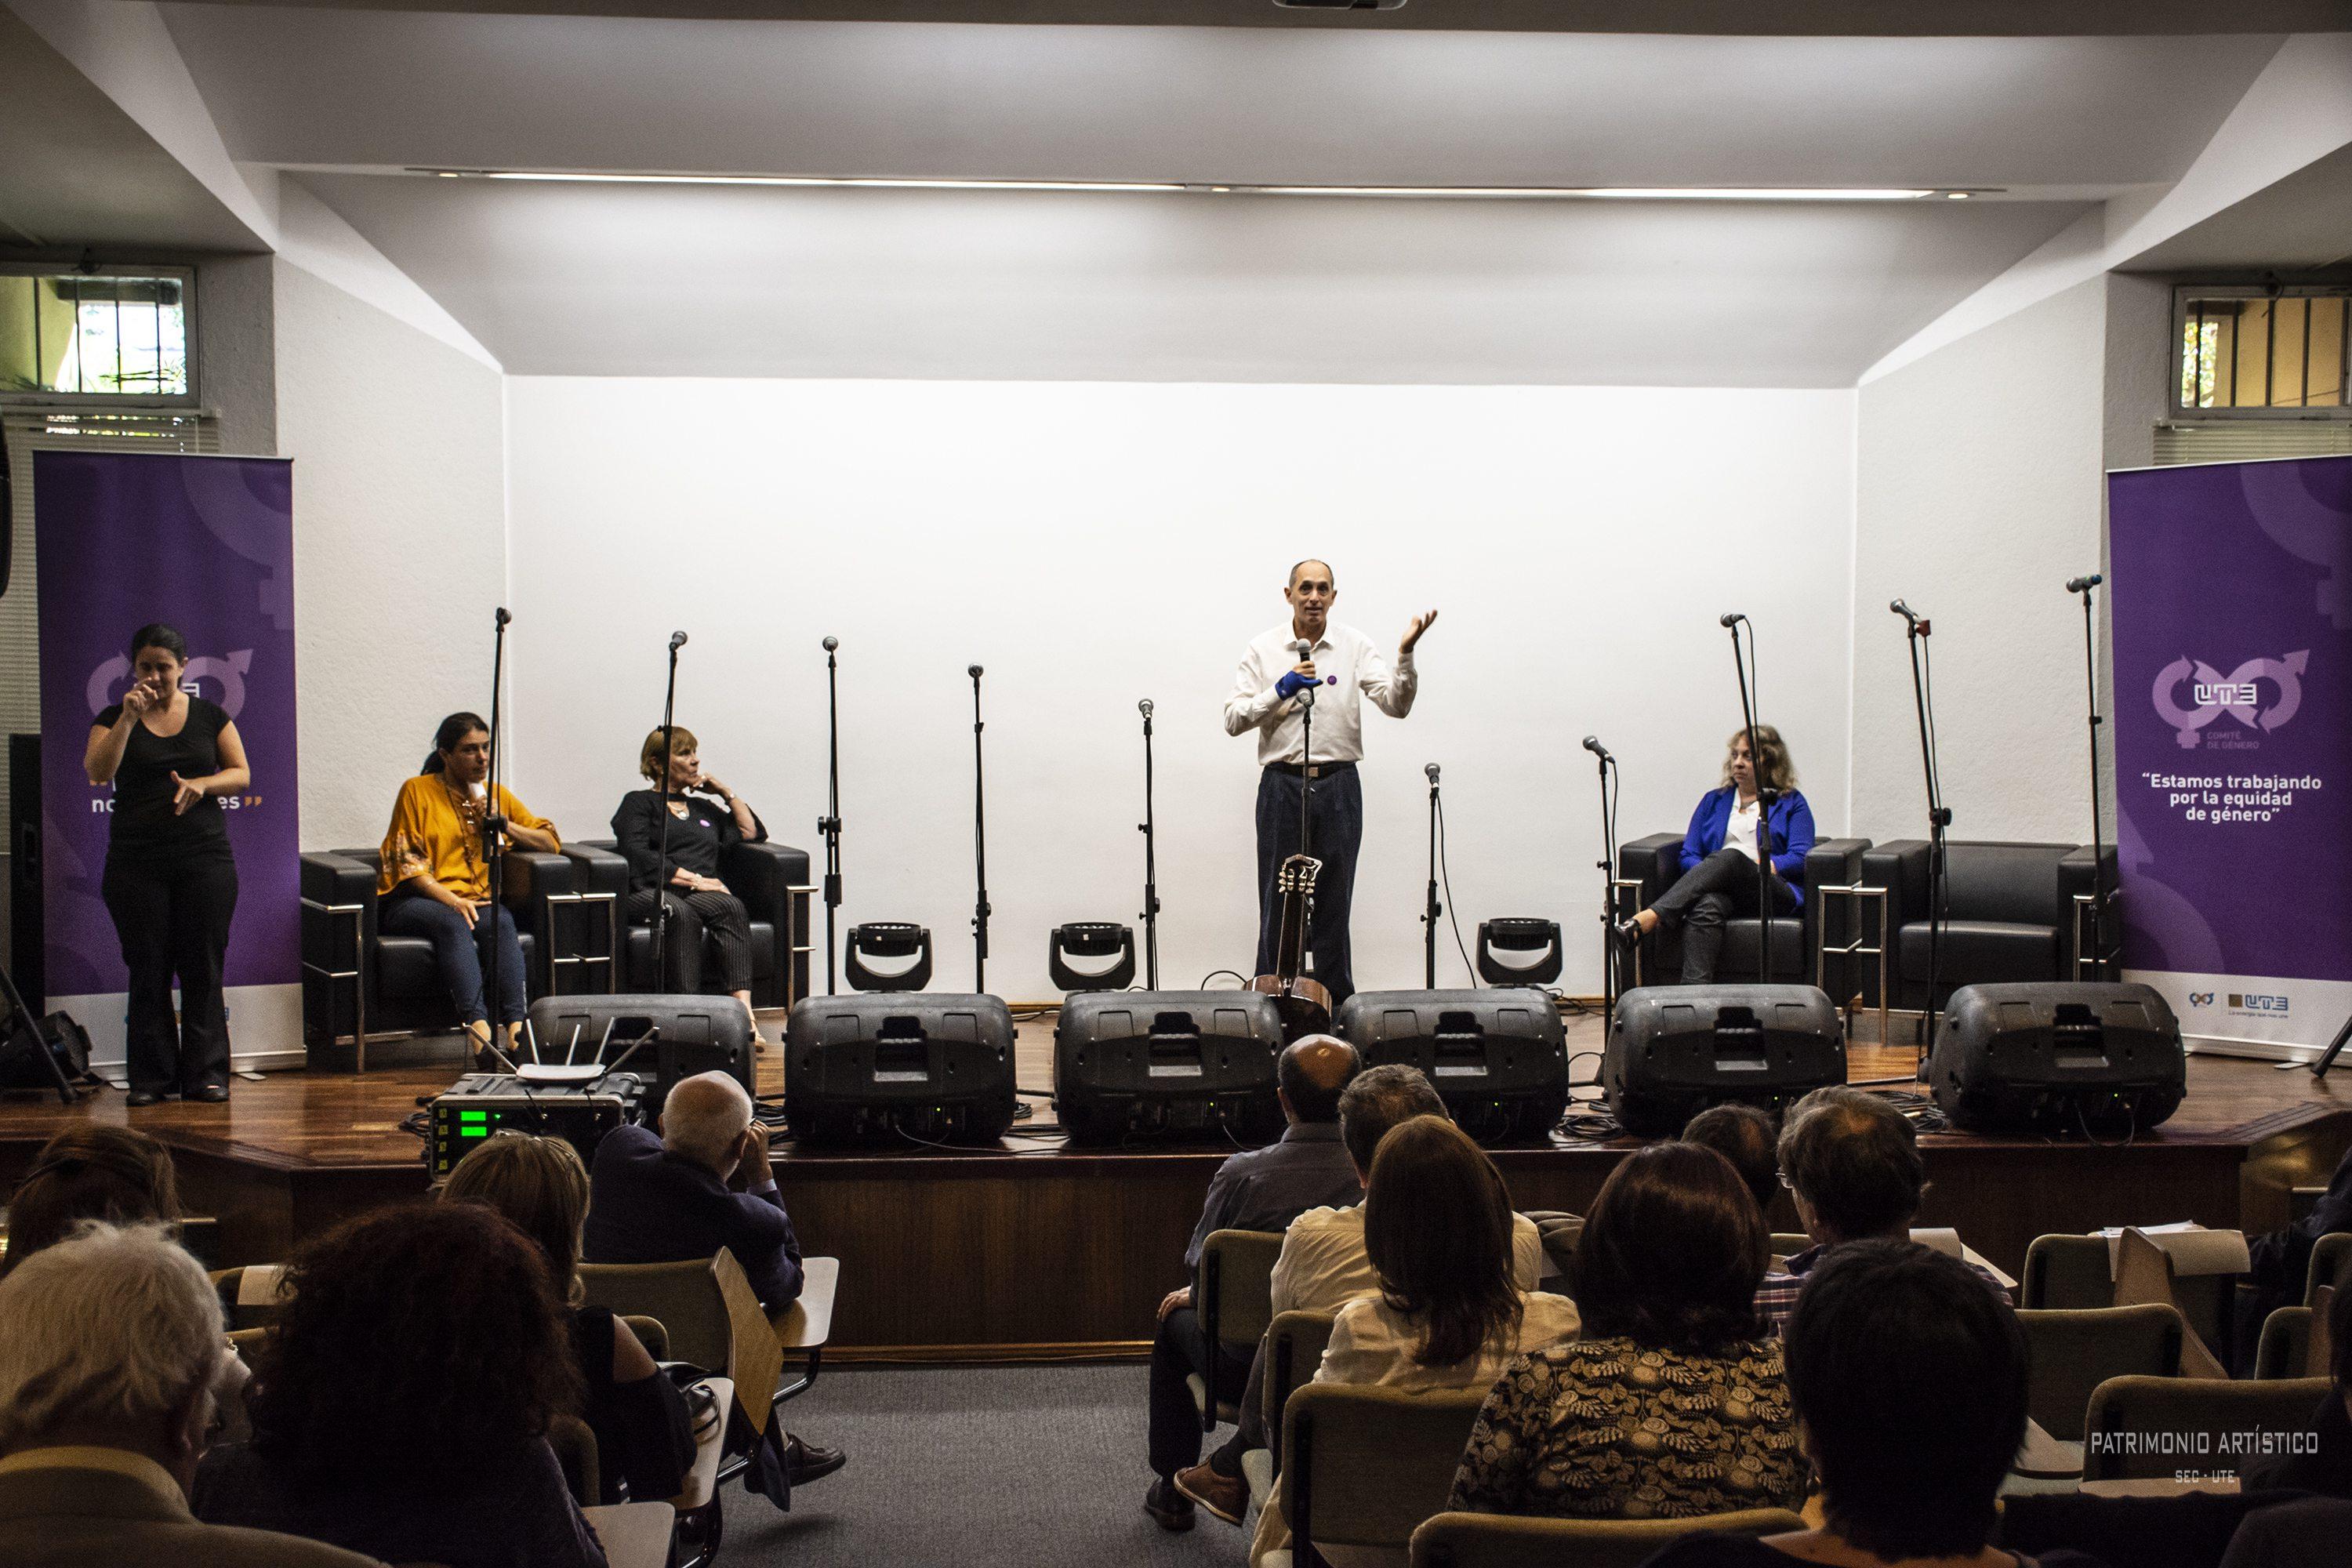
(1168, 1064)
(1674, 1051)
(2053, 1057)
(898, 1068)
(696, 1035)
(1498, 1057)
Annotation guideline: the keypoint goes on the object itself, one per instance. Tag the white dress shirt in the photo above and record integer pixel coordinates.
(1324, 1266)
(1740, 828)
(1343, 651)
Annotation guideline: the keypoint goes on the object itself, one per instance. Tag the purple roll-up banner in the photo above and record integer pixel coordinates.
(208, 545)
(2232, 614)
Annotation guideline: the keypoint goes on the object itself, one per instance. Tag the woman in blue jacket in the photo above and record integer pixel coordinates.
(1719, 855)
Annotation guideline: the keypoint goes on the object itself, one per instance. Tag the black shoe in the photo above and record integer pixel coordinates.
(211, 1094)
(805, 1462)
(1629, 934)
(1171, 1508)
(139, 1097)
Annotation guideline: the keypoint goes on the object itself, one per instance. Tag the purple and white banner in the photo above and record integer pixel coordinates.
(2232, 607)
(208, 545)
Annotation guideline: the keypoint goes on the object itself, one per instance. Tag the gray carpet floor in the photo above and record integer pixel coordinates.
(1036, 1465)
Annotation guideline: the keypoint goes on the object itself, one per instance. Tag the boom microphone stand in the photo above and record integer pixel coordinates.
(1430, 910)
(493, 830)
(1607, 863)
(830, 822)
(661, 861)
(979, 848)
(2085, 586)
(1939, 816)
(1151, 863)
(1763, 797)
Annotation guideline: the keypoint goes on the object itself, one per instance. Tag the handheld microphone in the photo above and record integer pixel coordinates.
(973, 671)
(677, 641)
(832, 643)
(1144, 708)
(1730, 619)
(2076, 585)
(1900, 608)
(1430, 768)
(1593, 744)
(503, 616)
(1304, 649)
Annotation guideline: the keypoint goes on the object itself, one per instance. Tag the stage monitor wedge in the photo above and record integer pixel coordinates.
(1497, 1057)
(1168, 1065)
(1674, 1051)
(901, 1069)
(2054, 1057)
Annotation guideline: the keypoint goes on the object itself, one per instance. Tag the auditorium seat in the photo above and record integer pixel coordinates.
(2069, 1353)
(1513, 1541)
(1363, 1464)
(2144, 1428)
(2010, 912)
(1236, 1306)
(773, 880)
(2331, 1264)
(1655, 862)
(2068, 1273)
(1294, 1343)
(361, 984)
(575, 1450)
(2285, 1349)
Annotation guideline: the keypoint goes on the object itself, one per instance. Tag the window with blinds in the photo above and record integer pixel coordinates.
(2262, 352)
(2248, 440)
(30, 430)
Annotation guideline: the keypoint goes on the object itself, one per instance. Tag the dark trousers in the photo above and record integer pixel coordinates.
(1181, 1351)
(690, 915)
(1720, 888)
(1249, 1432)
(172, 915)
(1336, 809)
(463, 952)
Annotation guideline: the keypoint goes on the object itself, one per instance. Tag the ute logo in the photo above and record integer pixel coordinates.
(2236, 695)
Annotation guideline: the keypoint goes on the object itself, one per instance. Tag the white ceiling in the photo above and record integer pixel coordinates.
(726, 280)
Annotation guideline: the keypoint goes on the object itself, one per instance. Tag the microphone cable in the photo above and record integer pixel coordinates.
(1452, 913)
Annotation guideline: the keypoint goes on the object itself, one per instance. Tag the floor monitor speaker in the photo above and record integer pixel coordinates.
(1168, 1065)
(898, 1068)
(2050, 1057)
(1674, 1051)
(1497, 1057)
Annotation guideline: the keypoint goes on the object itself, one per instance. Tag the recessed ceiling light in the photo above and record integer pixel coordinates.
(1431, 192)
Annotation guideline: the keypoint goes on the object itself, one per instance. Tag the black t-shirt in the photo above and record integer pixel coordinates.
(695, 839)
(142, 821)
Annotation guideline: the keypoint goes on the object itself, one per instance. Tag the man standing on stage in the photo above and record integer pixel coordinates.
(1343, 667)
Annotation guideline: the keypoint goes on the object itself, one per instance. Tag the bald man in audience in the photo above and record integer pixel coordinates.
(1258, 1189)
(113, 1364)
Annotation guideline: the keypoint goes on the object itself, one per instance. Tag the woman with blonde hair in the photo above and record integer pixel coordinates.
(1730, 834)
(644, 1437)
(706, 820)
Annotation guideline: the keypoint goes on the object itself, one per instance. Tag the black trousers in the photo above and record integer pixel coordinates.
(690, 915)
(1720, 888)
(1182, 1350)
(171, 914)
(1335, 810)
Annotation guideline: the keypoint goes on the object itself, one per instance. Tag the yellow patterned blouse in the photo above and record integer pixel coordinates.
(436, 832)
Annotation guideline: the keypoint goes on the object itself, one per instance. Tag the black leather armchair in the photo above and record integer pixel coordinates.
(1655, 862)
(360, 984)
(773, 881)
(2011, 911)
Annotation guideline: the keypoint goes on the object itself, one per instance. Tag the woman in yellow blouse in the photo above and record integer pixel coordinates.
(437, 884)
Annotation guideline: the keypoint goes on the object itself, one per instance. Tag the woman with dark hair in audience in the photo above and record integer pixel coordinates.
(400, 1406)
(699, 832)
(171, 878)
(1909, 1384)
(1720, 852)
(435, 881)
(1673, 1404)
(90, 1171)
(1449, 1313)
(643, 1435)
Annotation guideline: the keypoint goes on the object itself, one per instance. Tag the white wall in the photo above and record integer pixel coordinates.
(1979, 494)
(1092, 544)
(399, 543)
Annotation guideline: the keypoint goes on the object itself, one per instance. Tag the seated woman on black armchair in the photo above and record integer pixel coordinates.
(1720, 852)
(706, 818)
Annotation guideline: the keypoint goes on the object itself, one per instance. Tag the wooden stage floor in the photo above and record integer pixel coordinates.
(1039, 1250)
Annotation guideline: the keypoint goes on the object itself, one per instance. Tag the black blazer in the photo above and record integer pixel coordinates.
(646, 1204)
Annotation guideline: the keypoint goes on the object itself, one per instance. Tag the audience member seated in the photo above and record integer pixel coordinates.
(1448, 1310)
(1324, 1266)
(1258, 1189)
(2280, 1266)
(91, 1170)
(1852, 1161)
(1673, 1404)
(109, 1370)
(1744, 1136)
(704, 1183)
(2325, 1464)
(1909, 1385)
(400, 1405)
(644, 1438)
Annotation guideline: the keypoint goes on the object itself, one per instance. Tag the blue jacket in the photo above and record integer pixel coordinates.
(1791, 823)
(648, 1205)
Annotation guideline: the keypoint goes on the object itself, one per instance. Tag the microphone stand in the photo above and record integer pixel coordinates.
(494, 859)
(1430, 908)
(1763, 806)
(830, 822)
(1939, 817)
(2098, 859)
(1151, 864)
(1610, 952)
(979, 848)
(661, 861)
